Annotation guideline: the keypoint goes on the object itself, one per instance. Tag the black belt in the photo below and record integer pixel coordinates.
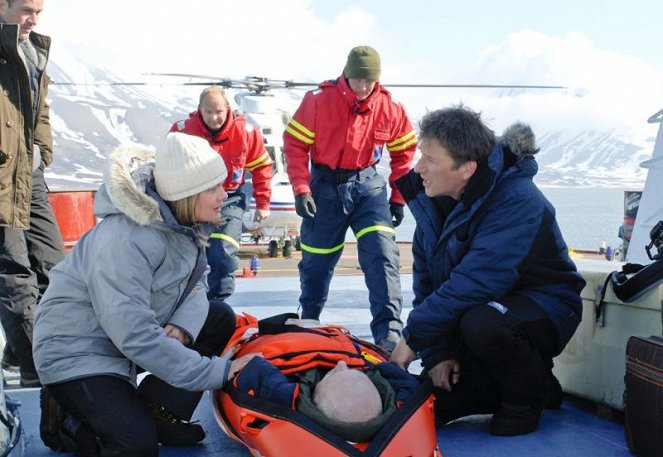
(343, 175)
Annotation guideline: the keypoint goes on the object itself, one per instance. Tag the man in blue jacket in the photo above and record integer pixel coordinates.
(496, 294)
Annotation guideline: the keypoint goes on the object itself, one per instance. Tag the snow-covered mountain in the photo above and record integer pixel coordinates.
(90, 120)
(593, 158)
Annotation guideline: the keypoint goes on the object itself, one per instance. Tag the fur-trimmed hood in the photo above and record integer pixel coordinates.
(519, 139)
(127, 173)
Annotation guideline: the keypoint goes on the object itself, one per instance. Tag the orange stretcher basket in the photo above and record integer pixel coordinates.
(273, 430)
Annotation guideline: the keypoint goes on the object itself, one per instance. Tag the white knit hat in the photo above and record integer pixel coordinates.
(186, 165)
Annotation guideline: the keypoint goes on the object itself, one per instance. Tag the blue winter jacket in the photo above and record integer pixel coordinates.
(500, 239)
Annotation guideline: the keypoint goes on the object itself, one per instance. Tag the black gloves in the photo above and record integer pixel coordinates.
(396, 213)
(305, 206)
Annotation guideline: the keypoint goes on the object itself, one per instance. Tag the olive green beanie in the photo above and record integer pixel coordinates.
(363, 63)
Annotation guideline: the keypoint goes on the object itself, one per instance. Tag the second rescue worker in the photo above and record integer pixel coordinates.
(344, 127)
(241, 147)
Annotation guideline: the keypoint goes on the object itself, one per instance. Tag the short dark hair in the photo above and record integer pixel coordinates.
(460, 131)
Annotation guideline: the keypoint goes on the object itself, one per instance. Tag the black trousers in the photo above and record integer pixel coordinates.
(506, 353)
(115, 411)
(26, 257)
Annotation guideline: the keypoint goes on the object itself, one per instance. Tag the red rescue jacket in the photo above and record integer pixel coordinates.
(241, 147)
(340, 131)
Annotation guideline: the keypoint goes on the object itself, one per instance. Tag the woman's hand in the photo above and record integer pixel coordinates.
(173, 331)
(237, 364)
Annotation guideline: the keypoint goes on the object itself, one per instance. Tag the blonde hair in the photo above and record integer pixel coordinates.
(184, 210)
(212, 90)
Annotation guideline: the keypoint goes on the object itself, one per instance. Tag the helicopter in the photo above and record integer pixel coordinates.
(281, 228)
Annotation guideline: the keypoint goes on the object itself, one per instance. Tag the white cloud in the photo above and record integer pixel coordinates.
(275, 38)
(605, 91)
(285, 39)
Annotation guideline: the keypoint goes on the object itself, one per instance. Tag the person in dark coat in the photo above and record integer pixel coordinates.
(496, 294)
(30, 240)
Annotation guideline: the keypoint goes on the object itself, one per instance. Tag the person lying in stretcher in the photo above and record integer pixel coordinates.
(339, 399)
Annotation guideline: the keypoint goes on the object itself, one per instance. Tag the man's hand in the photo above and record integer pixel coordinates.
(402, 355)
(173, 331)
(304, 205)
(260, 215)
(445, 374)
(396, 213)
(237, 364)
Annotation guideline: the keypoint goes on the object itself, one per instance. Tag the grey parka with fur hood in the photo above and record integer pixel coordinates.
(104, 310)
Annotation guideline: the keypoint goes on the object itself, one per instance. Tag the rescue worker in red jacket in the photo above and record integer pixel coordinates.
(344, 127)
(242, 148)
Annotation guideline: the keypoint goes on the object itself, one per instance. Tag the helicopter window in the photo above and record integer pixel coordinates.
(266, 130)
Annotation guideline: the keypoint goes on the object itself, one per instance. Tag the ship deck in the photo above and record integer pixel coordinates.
(573, 430)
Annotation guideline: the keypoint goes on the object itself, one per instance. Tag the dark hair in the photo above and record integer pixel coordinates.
(460, 131)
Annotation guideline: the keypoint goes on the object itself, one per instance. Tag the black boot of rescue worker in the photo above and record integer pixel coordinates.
(173, 431)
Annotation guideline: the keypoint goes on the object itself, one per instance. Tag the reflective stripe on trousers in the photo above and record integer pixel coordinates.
(358, 202)
(224, 245)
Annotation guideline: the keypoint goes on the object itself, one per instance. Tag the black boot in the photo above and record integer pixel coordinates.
(78, 438)
(513, 420)
(10, 360)
(49, 422)
(173, 431)
(555, 394)
(60, 431)
(29, 379)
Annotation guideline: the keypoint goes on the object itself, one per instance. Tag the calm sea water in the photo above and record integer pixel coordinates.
(586, 216)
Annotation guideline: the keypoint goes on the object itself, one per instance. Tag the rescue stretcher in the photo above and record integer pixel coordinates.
(275, 430)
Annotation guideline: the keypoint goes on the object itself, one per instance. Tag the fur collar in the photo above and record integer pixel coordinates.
(127, 174)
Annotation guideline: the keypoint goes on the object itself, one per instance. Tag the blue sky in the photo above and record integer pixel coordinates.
(462, 29)
(605, 52)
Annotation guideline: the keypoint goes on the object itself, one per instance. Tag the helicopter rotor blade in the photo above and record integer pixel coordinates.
(261, 84)
(108, 83)
(476, 86)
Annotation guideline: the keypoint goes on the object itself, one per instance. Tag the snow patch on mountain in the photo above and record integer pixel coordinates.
(89, 120)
